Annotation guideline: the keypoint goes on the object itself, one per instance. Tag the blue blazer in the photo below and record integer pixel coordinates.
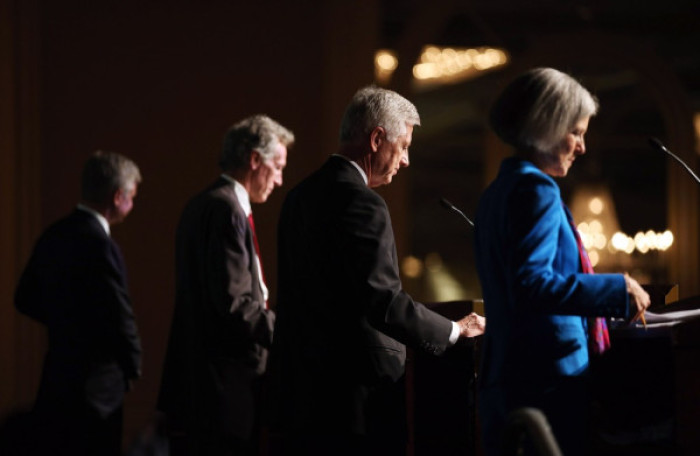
(536, 296)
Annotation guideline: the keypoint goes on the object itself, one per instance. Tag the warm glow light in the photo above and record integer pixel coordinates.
(425, 71)
(640, 242)
(412, 267)
(666, 240)
(595, 226)
(385, 62)
(643, 242)
(433, 262)
(593, 257)
(599, 241)
(619, 241)
(596, 205)
(453, 64)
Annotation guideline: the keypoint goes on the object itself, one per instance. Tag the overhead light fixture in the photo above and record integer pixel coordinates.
(448, 65)
(441, 65)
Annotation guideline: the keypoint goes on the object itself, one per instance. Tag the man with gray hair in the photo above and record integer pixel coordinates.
(338, 360)
(222, 325)
(75, 284)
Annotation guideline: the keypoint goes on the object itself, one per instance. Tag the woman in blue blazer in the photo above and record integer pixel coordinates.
(537, 294)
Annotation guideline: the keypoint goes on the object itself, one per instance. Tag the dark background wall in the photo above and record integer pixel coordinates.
(159, 82)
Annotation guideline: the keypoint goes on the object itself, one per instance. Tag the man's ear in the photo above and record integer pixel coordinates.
(376, 138)
(255, 160)
(117, 197)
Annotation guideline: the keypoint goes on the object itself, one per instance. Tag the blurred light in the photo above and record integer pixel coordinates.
(596, 205)
(594, 257)
(643, 242)
(666, 240)
(433, 262)
(599, 241)
(425, 71)
(640, 242)
(385, 62)
(696, 123)
(619, 241)
(586, 240)
(446, 65)
(412, 267)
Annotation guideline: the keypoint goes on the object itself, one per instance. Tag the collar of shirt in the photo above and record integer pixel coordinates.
(360, 170)
(100, 218)
(241, 194)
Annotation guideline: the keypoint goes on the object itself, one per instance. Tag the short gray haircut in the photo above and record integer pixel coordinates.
(373, 107)
(538, 108)
(258, 132)
(106, 172)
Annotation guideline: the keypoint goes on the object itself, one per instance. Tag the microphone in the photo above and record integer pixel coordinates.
(447, 205)
(656, 144)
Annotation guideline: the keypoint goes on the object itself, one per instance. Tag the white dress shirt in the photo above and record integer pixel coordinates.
(244, 201)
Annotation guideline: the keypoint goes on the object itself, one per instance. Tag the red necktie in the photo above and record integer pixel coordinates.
(598, 327)
(257, 248)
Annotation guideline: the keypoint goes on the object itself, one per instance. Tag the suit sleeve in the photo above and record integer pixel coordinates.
(27, 298)
(111, 291)
(230, 279)
(367, 241)
(534, 225)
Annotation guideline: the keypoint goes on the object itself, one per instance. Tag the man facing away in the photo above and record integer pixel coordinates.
(222, 326)
(75, 284)
(338, 360)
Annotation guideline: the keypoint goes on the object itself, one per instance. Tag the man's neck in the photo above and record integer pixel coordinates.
(241, 176)
(359, 157)
(101, 215)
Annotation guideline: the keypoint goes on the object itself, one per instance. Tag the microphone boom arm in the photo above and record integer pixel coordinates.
(659, 145)
(447, 205)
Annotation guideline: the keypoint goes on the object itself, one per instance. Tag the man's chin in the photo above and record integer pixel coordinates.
(259, 199)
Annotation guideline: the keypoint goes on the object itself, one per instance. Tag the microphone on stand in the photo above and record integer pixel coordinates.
(447, 205)
(656, 144)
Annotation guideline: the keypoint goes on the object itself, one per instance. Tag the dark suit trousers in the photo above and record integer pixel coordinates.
(79, 432)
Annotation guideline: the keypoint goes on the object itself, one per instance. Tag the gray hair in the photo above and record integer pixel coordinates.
(258, 132)
(537, 109)
(373, 107)
(106, 172)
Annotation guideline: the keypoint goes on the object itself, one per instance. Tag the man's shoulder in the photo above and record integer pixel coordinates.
(219, 194)
(337, 183)
(76, 224)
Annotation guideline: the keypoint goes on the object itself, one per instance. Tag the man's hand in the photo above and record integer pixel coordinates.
(639, 299)
(472, 325)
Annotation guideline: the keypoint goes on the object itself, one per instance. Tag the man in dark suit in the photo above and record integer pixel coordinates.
(338, 360)
(75, 284)
(222, 326)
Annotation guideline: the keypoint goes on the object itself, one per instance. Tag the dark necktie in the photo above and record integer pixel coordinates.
(598, 327)
(257, 249)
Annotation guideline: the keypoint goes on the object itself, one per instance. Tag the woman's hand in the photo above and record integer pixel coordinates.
(639, 299)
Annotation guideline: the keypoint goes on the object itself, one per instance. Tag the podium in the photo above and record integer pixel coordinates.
(646, 388)
(441, 392)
